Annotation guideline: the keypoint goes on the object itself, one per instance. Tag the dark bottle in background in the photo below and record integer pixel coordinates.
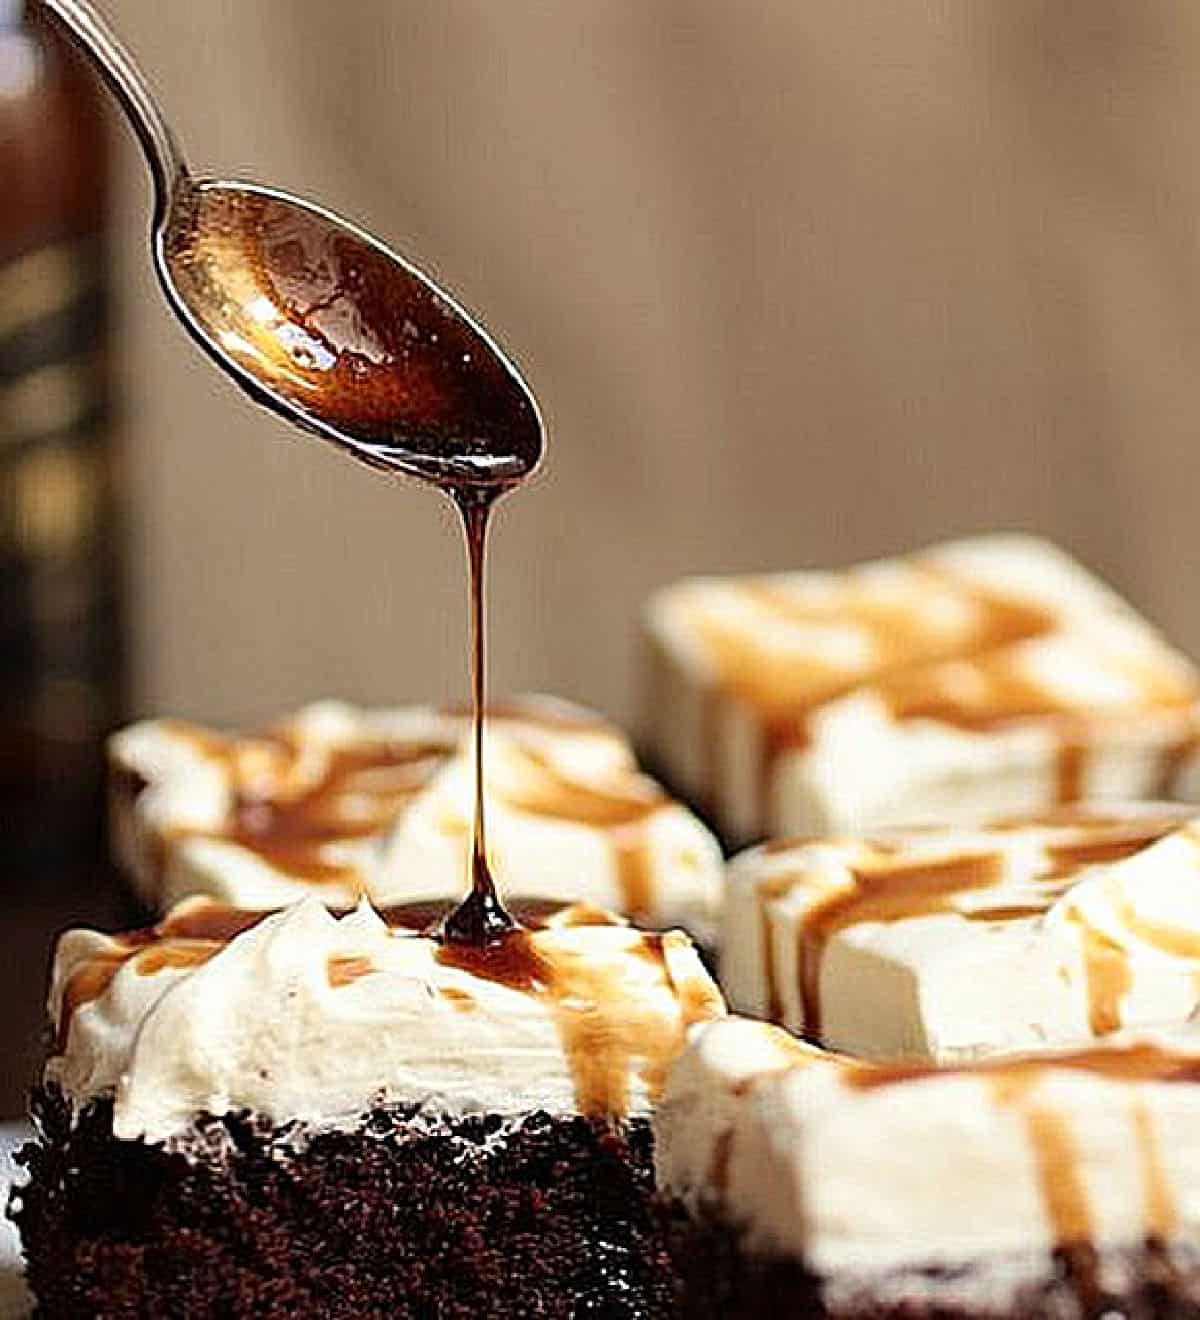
(60, 597)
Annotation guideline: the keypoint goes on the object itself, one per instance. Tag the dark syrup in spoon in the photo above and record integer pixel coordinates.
(379, 362)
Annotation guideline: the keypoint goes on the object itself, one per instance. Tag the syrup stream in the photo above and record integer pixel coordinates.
(481, 917)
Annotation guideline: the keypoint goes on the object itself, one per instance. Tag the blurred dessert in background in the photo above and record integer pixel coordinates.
(311, 1114)
(948, 944)
(804, 1184)
(981, 676)
(342, 803)
(62, 663)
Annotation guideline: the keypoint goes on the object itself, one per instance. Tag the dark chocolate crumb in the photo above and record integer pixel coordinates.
(409, 1215)
(720, 1278)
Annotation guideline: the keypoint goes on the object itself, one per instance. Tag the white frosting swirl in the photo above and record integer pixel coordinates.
(311, 1017)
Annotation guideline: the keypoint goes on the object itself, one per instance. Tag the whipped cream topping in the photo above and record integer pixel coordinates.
(305, 1015)
(980, 676)
(947, 944)
(343, 803)
(861, 1170)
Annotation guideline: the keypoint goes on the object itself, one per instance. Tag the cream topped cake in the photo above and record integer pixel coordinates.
(229, 1087)
(806, 1184)
(946, 944)
(980, 676)
(342, 803)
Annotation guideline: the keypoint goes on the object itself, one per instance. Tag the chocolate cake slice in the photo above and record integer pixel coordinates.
(1063, 1185)
(310, 1114)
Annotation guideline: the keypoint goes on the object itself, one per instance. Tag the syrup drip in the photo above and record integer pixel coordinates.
(377, 360)
(481, 917)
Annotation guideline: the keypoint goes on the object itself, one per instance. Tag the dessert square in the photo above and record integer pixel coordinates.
(311, 1114)
(343, 803)
(802, 1184)
(947, 944)
(981, 676)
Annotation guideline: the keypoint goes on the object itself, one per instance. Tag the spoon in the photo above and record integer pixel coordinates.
(337, 334)
(318, 320)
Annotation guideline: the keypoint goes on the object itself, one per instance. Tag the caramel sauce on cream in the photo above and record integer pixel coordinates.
(291, 822)
(931, 645)
(610, 1032)
(622, 810)
(888, 888)
(294, 822)
(1064, 1192)
(885, 892)
(1109, 979)
(346, 969)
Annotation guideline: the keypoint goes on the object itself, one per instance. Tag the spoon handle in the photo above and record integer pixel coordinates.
(92, 34)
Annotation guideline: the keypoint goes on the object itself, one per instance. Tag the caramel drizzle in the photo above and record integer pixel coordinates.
(1063, 1191)
(1141, 1061)
(188, 937)
(345, 969)
(966, 677)
(886, 891)
(196, 931)
(93, 978)
(607, 1031)
(622, 810)
(1109, 978)
(1070, 765)
(787, 693)
(291, 832)
(1161, 1213)
(1060, 1176)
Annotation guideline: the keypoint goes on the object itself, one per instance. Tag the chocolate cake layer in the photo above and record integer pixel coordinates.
(722, 1280)
(409, 1215)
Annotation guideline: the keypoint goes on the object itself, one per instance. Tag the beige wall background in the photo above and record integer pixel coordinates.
(797, 282)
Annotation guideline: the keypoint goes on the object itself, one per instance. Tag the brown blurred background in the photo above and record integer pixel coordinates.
(796, 282)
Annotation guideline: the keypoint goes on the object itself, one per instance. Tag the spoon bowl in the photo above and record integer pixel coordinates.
(323, 324)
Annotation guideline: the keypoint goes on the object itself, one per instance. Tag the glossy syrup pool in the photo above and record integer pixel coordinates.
(352, 337)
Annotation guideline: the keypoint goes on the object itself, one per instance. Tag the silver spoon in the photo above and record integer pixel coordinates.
(318, 320)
